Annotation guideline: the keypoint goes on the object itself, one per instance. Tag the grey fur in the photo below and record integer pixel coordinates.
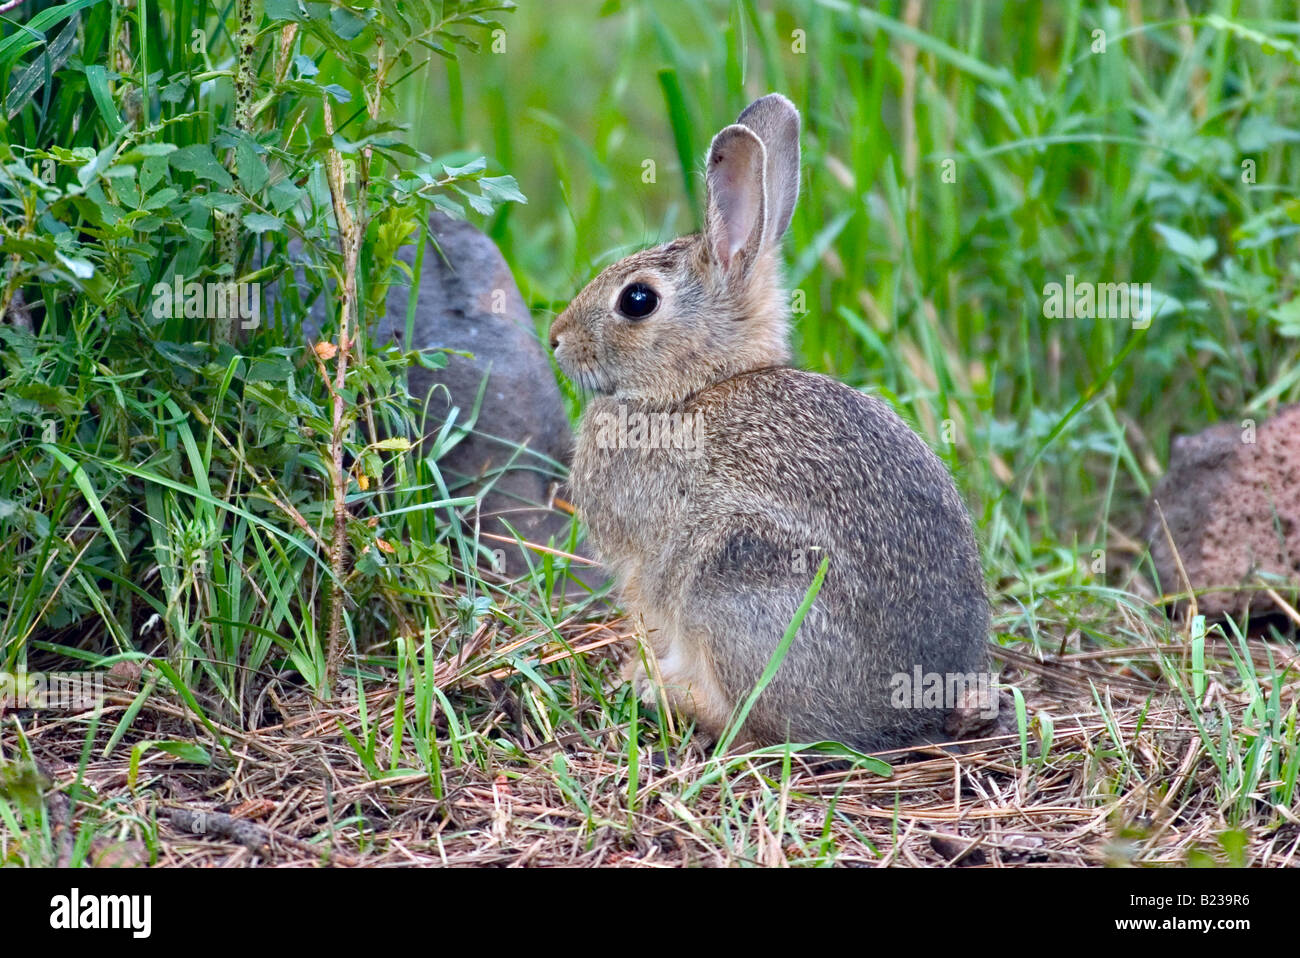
(714, 547)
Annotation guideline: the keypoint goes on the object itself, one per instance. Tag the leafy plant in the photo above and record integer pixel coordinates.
(194, 480)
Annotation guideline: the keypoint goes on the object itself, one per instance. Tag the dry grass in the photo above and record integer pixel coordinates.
(1127, 779)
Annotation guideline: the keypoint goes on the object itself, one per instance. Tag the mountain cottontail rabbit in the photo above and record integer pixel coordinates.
(713, 478)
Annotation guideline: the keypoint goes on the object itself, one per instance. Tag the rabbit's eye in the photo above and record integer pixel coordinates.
(638, 301)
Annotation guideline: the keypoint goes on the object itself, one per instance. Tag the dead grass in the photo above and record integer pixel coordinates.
(1126, 779)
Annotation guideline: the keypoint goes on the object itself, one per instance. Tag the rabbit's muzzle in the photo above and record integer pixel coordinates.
(575, 353)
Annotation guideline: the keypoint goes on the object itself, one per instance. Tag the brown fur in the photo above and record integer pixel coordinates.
(715, 547)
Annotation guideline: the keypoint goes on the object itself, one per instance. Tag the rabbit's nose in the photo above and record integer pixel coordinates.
(555, 340)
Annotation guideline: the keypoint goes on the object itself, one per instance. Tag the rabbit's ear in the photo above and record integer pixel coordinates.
(776, 122)
(736, 211)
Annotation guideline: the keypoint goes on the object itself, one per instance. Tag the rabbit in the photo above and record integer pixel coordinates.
(713, 478)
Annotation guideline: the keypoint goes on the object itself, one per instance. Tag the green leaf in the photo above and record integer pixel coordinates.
(80, 268)
(1198, 251)
(162, 198)
(41, 69)
(1198, 659)
(1022, 723)
(1258, 133)
(190, 355)
(219, 201)
(680, 120)
(250, 167)
(1287, 317)
(1046, 732)
(445, 204)
(190, 752)
(431, 358)
(502, 189)
(283, 194)
(197, 158)
(268, 369)
(54, 397)
(103, 158)
(347, 25)
(139, 152)
(12, 46)
(480, 204)
(286, 10)
(152, 170)
(469, 169)
(97, 80)
(263, 223)
(88, 491)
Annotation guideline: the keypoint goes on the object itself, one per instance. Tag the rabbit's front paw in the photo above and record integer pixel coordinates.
(634, 671)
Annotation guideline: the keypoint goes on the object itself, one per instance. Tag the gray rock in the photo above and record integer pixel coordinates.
(519, 449)
(467, 300)
(1232, 508)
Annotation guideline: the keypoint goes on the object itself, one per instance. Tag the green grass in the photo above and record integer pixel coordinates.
(953, 167)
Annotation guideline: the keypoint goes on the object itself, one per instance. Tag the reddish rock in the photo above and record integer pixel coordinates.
(1232, 507)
